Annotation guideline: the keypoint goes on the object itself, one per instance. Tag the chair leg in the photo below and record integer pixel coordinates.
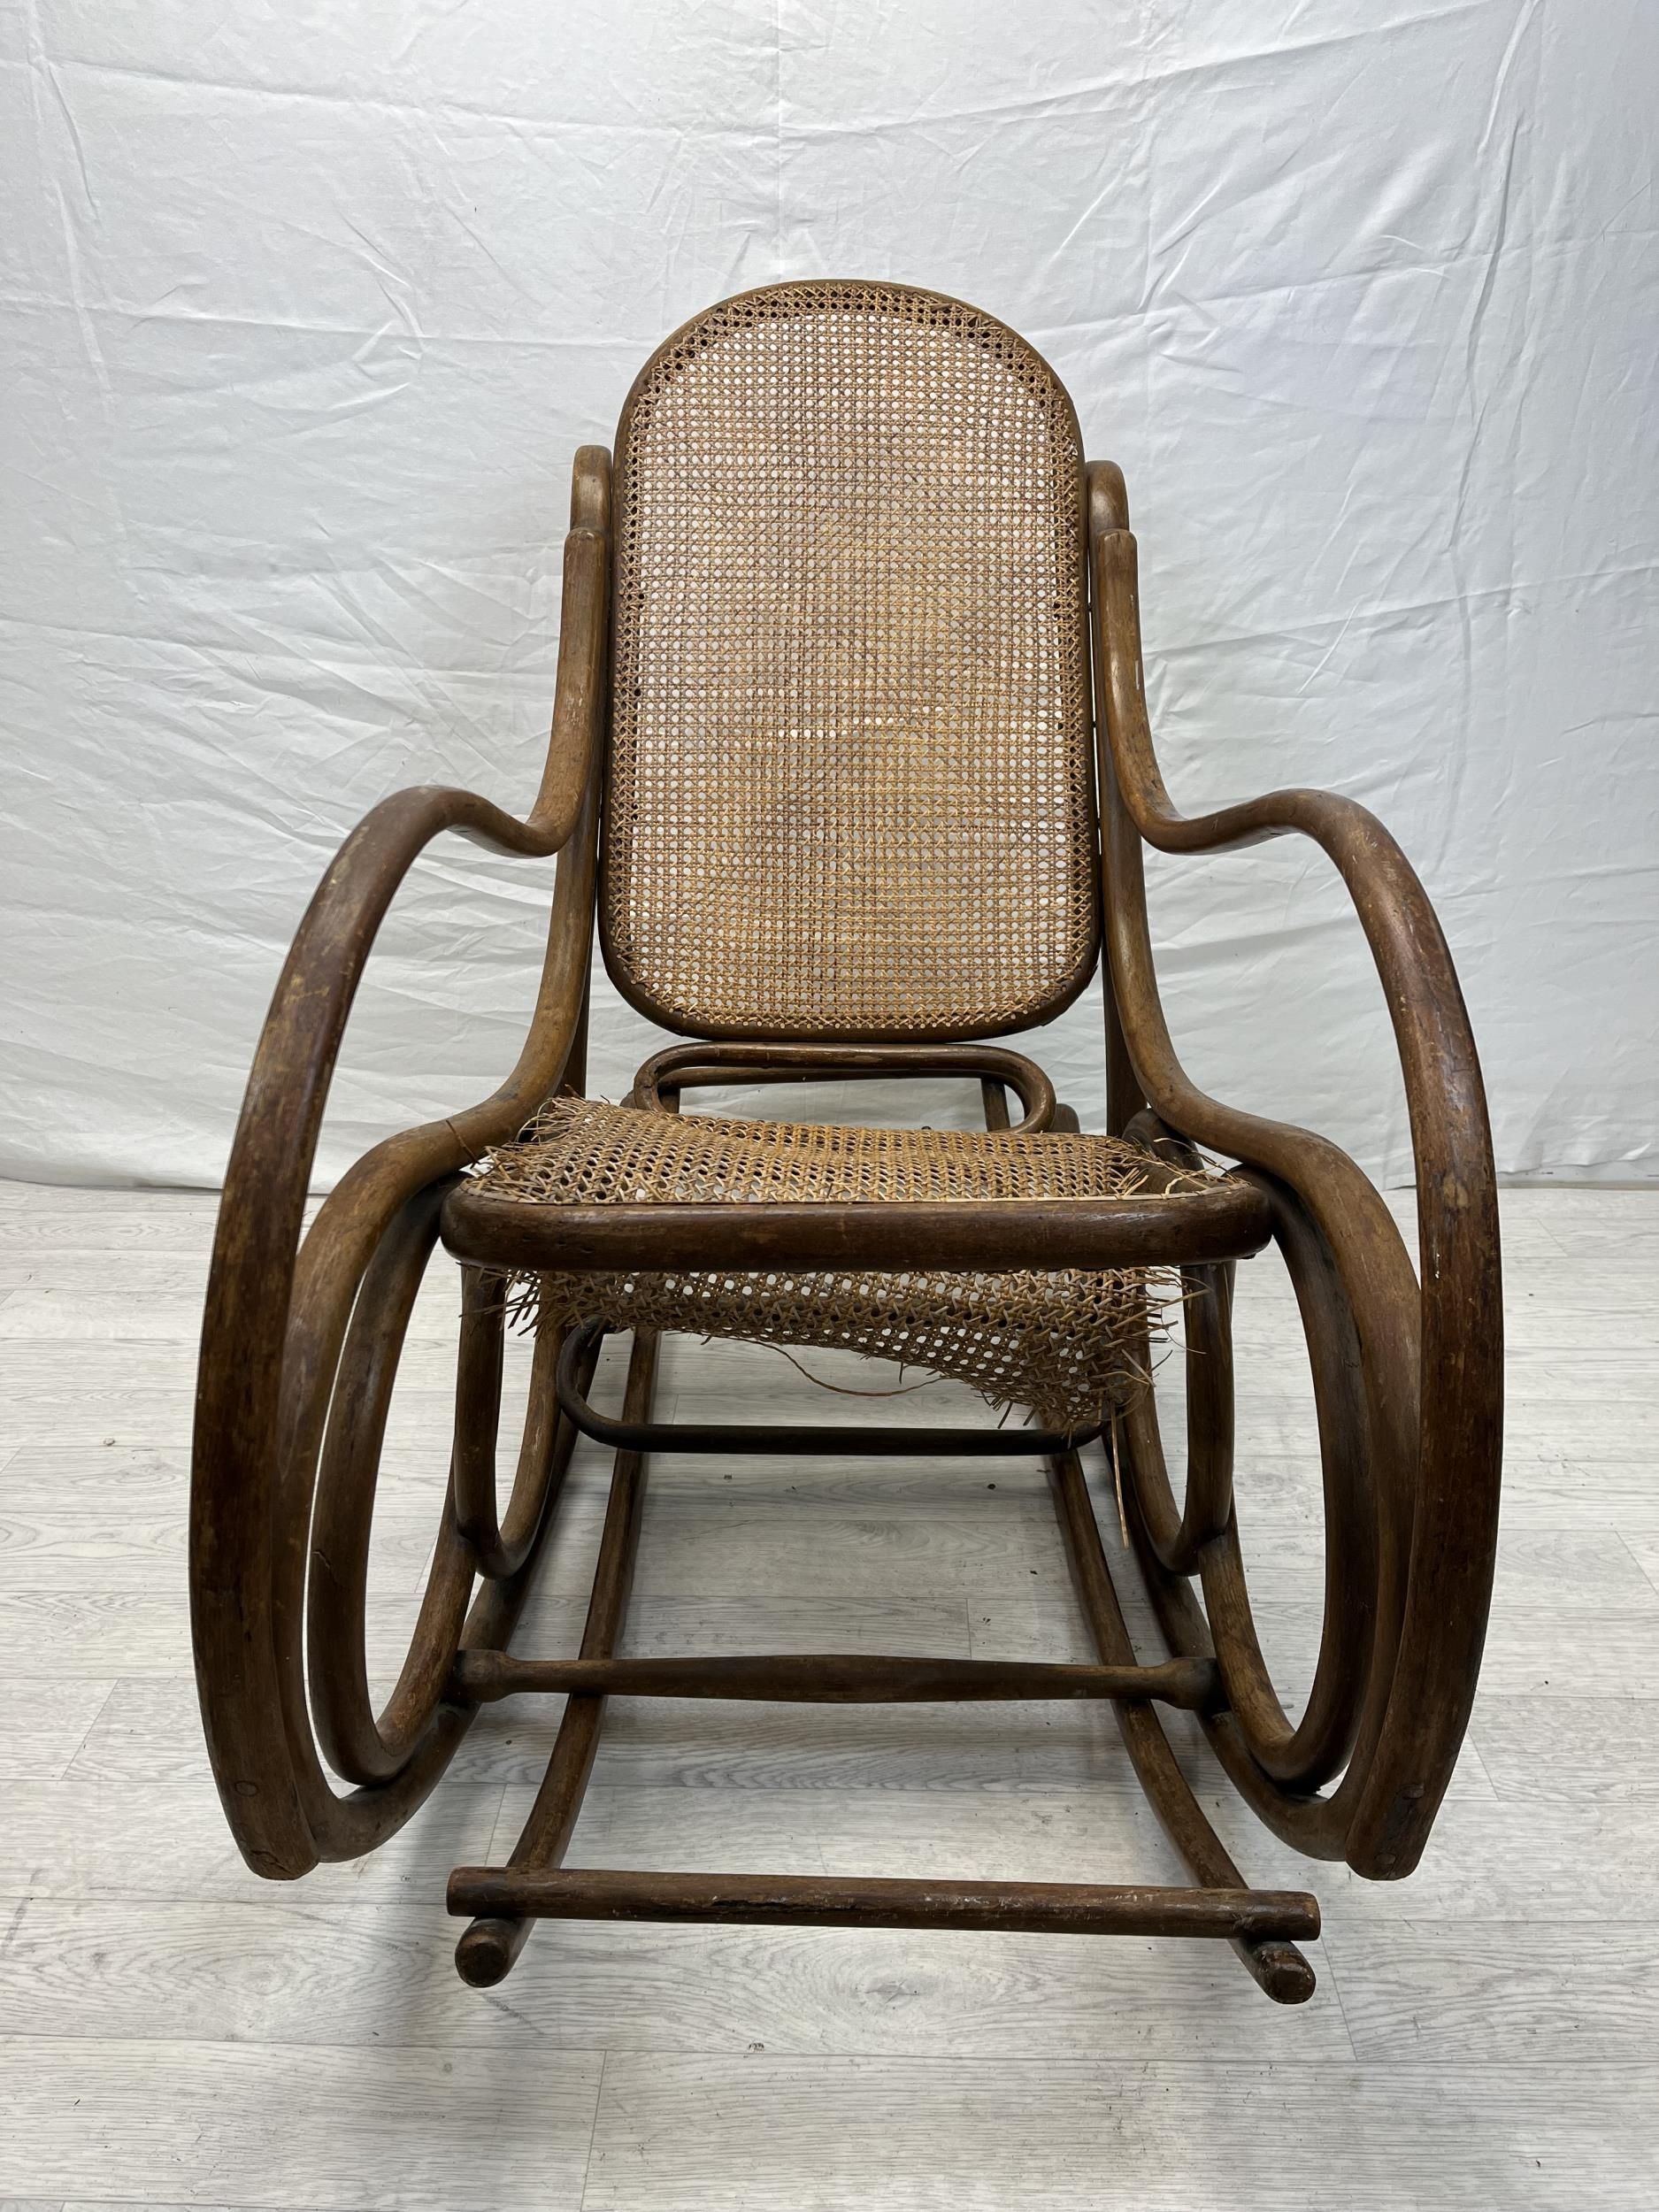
(489, 1947)
(1276, 1965)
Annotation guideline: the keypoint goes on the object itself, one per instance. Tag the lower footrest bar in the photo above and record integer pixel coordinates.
(835, 1678)
(809, 1900)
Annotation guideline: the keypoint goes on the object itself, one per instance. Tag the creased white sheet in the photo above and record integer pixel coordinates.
(303, 310)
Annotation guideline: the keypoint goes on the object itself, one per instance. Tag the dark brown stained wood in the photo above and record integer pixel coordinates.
(303, 1333)
(868, 1440)
(1275, 1965)
(360, 1745)
(816, 1901)
(498, 1545)
(1225, 1222)
(487, 1949)
(685, 1067)
(1181, 1539)
(1106, 500)
(278, 1307)
(828, 1678)
(1408, 1368)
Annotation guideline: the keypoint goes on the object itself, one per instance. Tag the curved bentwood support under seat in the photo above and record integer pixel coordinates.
(305, 1333)
(1407, 1369)
(289, 1316)
(856, 1441)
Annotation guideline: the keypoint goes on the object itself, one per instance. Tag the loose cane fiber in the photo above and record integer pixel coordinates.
(1061, 1343)
(849, 789)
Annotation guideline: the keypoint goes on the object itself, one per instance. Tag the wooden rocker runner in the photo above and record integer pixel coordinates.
(836, 772)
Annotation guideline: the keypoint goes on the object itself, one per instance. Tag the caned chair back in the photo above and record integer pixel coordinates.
(849, 789)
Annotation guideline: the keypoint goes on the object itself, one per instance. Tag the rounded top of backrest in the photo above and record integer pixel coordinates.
(908, 304)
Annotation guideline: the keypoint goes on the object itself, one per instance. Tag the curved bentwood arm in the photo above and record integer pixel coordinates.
(1407, 1368)
(281, 1332)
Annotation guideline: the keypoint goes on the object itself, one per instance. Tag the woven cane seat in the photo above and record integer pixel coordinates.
(1060, 1342)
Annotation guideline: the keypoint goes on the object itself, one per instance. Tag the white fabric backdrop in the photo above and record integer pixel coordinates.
(305, 308)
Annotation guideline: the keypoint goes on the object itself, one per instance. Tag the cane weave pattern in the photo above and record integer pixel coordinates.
(1061, 1343)
(849, 787)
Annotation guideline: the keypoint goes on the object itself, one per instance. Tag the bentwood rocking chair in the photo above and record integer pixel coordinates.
(835, 766)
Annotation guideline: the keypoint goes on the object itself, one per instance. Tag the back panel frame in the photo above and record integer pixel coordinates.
(849, 791)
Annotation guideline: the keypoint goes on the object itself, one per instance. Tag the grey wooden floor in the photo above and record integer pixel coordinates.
(177, 2033)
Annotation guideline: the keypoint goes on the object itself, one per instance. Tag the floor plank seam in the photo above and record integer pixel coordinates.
(593, 2132)
(63, 1773)
(1650, 1573)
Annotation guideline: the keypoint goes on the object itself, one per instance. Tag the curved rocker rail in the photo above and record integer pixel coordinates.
(286, 1319)
(1408, 1370)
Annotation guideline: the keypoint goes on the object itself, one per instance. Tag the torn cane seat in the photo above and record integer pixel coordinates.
(1065, 1342)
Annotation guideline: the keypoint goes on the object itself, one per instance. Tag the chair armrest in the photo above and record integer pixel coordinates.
(294, 1065)
(1443, 1087)
(276, 1309)
(1433, 1342)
